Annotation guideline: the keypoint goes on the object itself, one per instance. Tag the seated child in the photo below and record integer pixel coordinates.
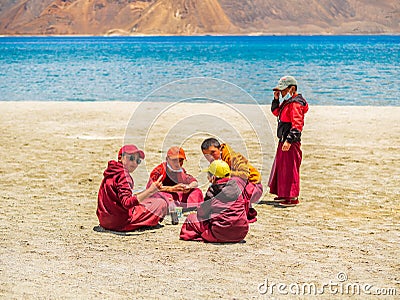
(222, 216)
(240, 167)
(118, 208)
(178, 185)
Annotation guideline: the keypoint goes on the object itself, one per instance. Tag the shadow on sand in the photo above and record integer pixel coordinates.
(272, 203)
(139, 231)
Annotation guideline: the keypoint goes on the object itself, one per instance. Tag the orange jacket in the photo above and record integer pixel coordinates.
(239, 165)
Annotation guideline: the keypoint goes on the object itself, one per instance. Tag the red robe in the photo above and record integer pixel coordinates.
(191, 199)
(241, 167)
(284, 179)
(285, 174)
(222, 217)
(118, 209)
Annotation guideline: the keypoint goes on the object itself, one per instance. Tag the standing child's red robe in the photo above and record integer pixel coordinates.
(284, 179)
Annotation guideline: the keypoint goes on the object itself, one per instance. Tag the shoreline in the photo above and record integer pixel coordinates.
(190, 103)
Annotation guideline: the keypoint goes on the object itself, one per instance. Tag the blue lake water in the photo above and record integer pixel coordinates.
(331, 70)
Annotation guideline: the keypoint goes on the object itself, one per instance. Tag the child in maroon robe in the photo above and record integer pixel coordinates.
(240, 167)
(178, 185)
(222, 217)
(284, 179)
(117, 207)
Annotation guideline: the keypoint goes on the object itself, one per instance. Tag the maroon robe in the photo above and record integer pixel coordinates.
(284, 180)
(191, 199)
(222, 217)
(118, 209)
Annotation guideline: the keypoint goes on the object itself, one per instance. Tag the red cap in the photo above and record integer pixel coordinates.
(130, 149)
(176, 152)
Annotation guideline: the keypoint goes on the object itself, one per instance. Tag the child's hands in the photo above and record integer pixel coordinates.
(276, 94)
(156, 185)
(286, 146)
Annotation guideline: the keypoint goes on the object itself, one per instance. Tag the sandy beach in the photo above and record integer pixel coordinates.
(345, 231)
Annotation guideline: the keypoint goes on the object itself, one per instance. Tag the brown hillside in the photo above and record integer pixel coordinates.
(314, 16)
(72, 16)
(184, 17)
(187, 17)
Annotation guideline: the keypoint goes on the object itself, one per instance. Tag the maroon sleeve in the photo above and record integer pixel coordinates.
(157, 172)
(187, 178)
(124, 191)
(204, 210)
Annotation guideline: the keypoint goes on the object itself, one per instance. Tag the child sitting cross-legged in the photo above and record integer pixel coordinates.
(222, 216)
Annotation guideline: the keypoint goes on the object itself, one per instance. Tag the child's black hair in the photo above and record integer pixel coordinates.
(207, 143)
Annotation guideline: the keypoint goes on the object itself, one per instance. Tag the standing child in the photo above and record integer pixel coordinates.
(284, 180)
(221, 218)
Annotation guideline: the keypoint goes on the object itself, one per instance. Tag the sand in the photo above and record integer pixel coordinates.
(52, 158)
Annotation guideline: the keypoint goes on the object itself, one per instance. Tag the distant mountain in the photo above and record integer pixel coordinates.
(195, 17)
(315, 16)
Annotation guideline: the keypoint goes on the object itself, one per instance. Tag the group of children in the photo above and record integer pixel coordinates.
(223, 214)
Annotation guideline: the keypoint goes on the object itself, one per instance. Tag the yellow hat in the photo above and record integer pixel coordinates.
(219, 169)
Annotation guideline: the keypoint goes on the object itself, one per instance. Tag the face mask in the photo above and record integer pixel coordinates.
(287, 97)
(172, 170)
